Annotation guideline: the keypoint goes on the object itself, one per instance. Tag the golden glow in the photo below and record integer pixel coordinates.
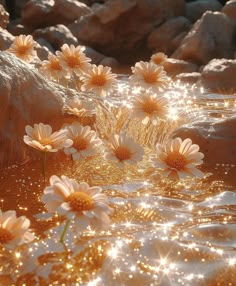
(80, 201)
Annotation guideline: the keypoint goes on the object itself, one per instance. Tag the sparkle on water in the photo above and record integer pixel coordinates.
(162, 232)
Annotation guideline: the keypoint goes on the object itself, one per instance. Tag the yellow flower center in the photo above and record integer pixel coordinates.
(176, 161)
(22, 50)
(5, 236)
(98, 79)
(123, 153)
(80, 201)
(149, 106)
(80, 143)
(158, 59)
(55, 65)
(150, 77)
(73, 61)
(45, 141)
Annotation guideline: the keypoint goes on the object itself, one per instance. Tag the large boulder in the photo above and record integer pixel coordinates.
(219, 74)
(230, 9)
(217, 140)
(44, 13)
(124, 36)
(4, 17)
(163, 38)
(211, 37)
(173, 67)
(194, 10)
(25, 99)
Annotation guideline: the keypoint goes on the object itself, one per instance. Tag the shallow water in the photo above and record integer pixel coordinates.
(163, 232)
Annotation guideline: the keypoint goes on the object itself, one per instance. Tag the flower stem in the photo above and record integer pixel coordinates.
(64, 231)
(44, 166)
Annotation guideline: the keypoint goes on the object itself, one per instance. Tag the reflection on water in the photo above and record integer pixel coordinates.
(163, 232)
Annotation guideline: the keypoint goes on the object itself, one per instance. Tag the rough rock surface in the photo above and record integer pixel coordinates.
(217, 140)
(124, 37)
(211, 37)
(219, 74)
(25, 99)
(230, 9)
(174, 67)
(163, 38)
(194, 10)
(56, 36)
(43, 13)
(4, 17)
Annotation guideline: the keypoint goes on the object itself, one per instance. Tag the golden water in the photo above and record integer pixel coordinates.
(163, 232)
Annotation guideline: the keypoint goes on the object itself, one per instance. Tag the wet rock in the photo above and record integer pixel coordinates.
(190, 78)
(4, 17)
(44, 13)
(25, 99)
(162, 38)
(230, 9)
(217, 140)
(110, 62)
(211, 37)
(219, 74)
(56, 36)
(128, 41)
(194, 10)
(174, 67)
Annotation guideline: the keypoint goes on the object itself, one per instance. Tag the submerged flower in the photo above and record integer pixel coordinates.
(78, 107)
(158, 58)
(178, 158)
(14, 231)
(52, 68)
(150, 108)
(73, 59)
(124, 150)
(98, 79)
(85, 141)
(41, 137)
(23, 48)
(149, 75)
(78, 201)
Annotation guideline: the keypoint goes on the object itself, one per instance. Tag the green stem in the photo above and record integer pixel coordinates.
(44, 166)
(64, 231)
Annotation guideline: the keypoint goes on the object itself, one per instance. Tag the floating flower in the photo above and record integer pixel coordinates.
(124, 150)
(150, 108)
(78, 107)
(149, 75)
(14, 231)
(52, 68)
(78, 201)
(23, 47)
(41, 137)
(158, 58)
(85, 141)
(73, 59)
(98, 79)
(178, 158)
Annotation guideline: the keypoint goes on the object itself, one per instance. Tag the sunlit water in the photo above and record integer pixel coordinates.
(163, 232)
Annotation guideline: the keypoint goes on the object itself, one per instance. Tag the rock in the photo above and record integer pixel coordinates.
(56, 36)
(217, 140)
(194, 10)
(230, 9)
(16, 28)
(211, 37)
(110, 62)
(174, 67)
(25, 100)
(44, 13)
(5, 39)
(4, 17)
(219, 74)
(162, 38)
(44, 43)
(125, 36)
(190, 78)
(95, 56)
